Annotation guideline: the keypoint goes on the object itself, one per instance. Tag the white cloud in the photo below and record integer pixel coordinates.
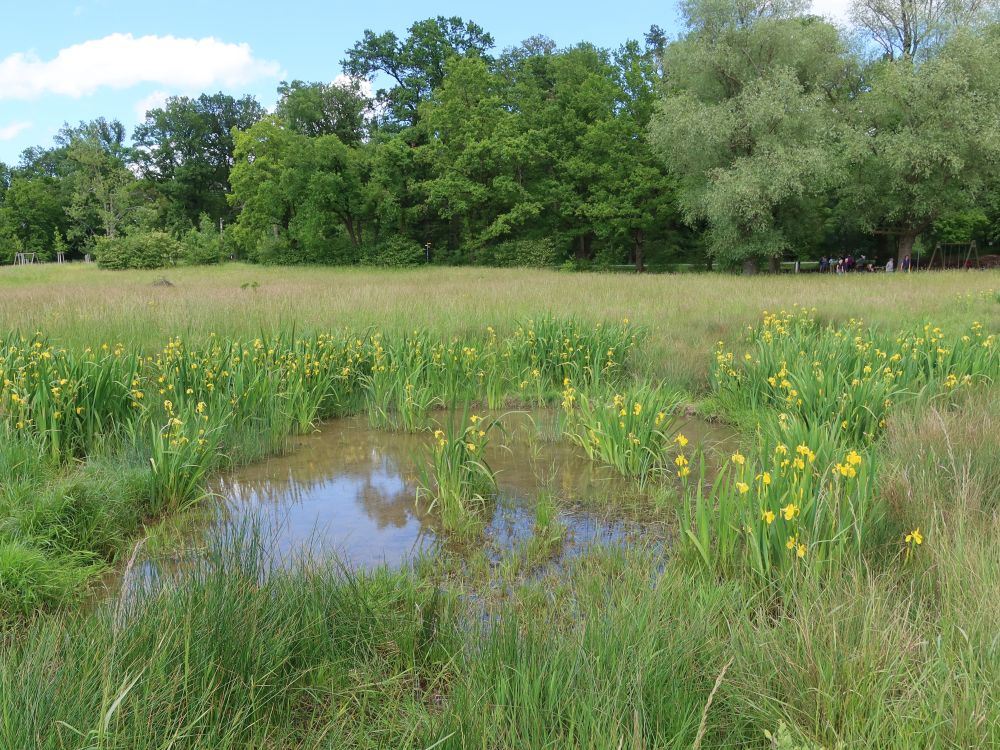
(837, 11)
(344, 81)
(364, 87)
(121, 60)
(152, 101)
(9, 132)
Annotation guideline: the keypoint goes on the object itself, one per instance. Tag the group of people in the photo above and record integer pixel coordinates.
(850, 264)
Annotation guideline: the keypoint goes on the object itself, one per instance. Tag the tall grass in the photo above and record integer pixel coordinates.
(885, 482)
(187, 408)
(611, 652)
(232, 655)
(685, 313)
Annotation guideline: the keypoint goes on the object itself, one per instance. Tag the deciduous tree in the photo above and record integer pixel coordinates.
(749, 122)
(924, 139)
(186, 147)
(415, 64)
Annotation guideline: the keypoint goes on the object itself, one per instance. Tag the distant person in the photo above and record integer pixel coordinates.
(824, 264)
(904, 266)
(890, 266)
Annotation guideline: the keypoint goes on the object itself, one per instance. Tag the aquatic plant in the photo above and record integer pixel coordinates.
(629, 429)
(819, 396)
(457, 481)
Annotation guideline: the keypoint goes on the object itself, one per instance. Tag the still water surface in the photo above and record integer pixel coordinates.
(350, 490)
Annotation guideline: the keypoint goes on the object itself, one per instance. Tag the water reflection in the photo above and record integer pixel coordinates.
(350, 490)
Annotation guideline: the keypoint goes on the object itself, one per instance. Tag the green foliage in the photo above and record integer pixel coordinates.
(762, 133)
(183, 452)
(233, 653)
(395, 252)
(142, 249)
(783, 739)
(630, 430)
(961, 227)
(416, 64)
(929, 130)
(202, 245)
(819, 398)
(302, 199)
(164, 421)
(540, 253)
(104, 195)
(883, 642)
(748, 126)
(458, 483)
(185, 149)
(316, 109)
(32, 213)
(30, 580)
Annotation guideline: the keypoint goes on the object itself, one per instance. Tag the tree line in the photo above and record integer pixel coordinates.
(761, 133)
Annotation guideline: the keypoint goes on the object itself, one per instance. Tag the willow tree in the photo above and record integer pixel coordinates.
(923, 139)
(748, 126)
(910, 29)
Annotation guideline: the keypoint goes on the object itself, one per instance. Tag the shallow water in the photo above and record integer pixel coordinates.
(350, 491)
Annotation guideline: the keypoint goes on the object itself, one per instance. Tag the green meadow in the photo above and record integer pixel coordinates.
(831, 581)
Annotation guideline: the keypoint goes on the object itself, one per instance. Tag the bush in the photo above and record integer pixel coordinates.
(531, 253)
(608, 257)
(274, 251)
(202, 245)
(148, 249)
(396, 252)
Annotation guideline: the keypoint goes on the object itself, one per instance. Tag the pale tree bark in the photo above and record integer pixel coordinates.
(905, 28)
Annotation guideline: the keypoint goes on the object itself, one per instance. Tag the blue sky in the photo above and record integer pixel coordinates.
(71, 60)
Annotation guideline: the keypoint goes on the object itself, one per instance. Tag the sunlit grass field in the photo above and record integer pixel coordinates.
(685, 314)
(835, 584)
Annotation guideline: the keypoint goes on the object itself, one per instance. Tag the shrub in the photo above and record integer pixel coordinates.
(395, 252)
(150, 249)
(532, 253)
(202, 245)
(608, 257)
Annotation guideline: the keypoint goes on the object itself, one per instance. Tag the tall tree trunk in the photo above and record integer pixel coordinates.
(639, 237)
(906, 247)
(774, 265)
(355, 239)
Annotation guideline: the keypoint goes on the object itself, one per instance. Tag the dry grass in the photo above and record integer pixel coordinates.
(686, 314)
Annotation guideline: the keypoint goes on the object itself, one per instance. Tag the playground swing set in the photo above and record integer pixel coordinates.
(950, 255)
(30, 259)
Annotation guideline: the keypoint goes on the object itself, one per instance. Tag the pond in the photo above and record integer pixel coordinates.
(350, 491)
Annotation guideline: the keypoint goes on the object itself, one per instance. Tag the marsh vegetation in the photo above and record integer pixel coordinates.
(823, 569)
